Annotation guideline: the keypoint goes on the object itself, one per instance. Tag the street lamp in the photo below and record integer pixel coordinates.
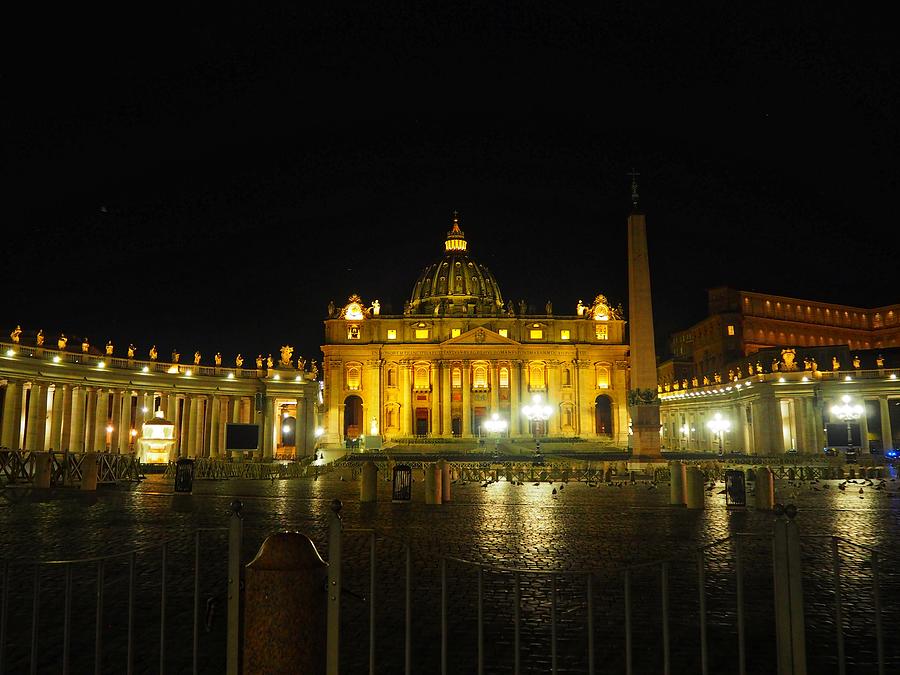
(496, 426)
(536, 411)
(719, 425)
(848, 413)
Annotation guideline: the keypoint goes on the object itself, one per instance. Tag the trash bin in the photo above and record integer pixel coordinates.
(184, 475)
(735, 489)
(402, 487)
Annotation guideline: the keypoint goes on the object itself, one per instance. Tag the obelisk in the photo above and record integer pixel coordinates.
(643, 403)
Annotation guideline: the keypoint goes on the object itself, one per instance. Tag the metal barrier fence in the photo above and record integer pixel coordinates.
(18, 466)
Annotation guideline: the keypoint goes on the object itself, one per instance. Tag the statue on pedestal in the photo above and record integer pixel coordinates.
(730, 375)
(196, 358)
(879, 361)
(376, 308)
(61, 341)
(287, 353)
(109, 348)
(835, 364)
(14, 336)
(579, 308)
(259, 362)
(301, 363)
(759, 367)
(131, 350)
(706, 380)
(788, 358)
(737, 373)
(314, 369)
(815, 366)
(40, 338)
(175, 356)
(807, 364)
(239, 360)
(523, 308)
(153, 353)
(330, 308)
(717, 378)
(774, 365)
(684, 384)
(659, 389)
(218, 358)
(548, 308)
(856, 362)
(694, 381)
(85, 346)
(269, 363)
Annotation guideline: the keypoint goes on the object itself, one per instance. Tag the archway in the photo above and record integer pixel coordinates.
(353, 410)
(288, 431)
(603, 420)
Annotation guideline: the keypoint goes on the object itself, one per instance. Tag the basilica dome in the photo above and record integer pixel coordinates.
(456, 284)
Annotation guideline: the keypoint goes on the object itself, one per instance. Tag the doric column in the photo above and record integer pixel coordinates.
(215, 404)
(864, 428)
(435, 399)
(34, 439)
(247, 412)
(446, 396)
(555, 423)
(177, 419)
(56, 417)
(199, 422)
(300, 429)
(269, 422)
(115, 419)
(125, 422)
(405, 407)
(165, 406)
(66, 432)
(887, 439)
(140, 402)
(466, 401)
(586, 394)
(495, 388)
(76, 430)
(188, 420)
(90, 419)
(515, 413)
(12, 403)
(101, 419)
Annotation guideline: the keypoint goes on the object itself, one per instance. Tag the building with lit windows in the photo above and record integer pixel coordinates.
(460, 355)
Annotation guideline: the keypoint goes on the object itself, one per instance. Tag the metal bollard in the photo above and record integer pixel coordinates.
(432, 484)
(41, 476)
(694, 497)
(285, 607)
(368, 484)
(765, 489)
(89, 471)
(678, 473)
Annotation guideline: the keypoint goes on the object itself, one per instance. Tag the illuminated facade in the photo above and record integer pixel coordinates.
(83, 401)
(459, 355)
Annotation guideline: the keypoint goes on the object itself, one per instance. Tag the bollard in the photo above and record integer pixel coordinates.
(788, 577)
(621, 469)
(765, 489)
(368, 484)
(432, 484)
(285, 607)
(445, 480)
(678, 473)
(41, 475)
(693, 488)
(89, 469)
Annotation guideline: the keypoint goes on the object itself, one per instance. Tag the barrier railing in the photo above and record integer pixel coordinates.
(17, 466)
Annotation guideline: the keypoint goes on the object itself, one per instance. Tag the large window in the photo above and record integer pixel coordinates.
(454, 332)
(456, 378)
(601, 331)
(391, 377)
(503, 332)
(421, 333)
(536, 376)
(354, 375)
(392, 334)
(479, 376)
(353, 332)
(421, 377)
(603, 377)
(504, 378)
(564, 334)
(535, 333)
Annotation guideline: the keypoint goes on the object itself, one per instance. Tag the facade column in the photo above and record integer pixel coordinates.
(405, 406)
(864, 428)
(269, 422)
(739, 433)
(887, 439)
(515, 414)
(554, 424)
(76, 431)
(300, 428)
(446, 401)
(115, 419)
(188, 421)
(140, 402)
(12, 402)
(125, 422)
(56, 417)
(495, 389)
(66, 431)
(176, 419)
(199, 425)
(90, 419)
(466, 401)
(165, 406)
(34, 430)
(586, 400)
(215, 404)
(101, 419)
(435, 399)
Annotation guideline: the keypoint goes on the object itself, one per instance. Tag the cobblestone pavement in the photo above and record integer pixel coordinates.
(581, 528)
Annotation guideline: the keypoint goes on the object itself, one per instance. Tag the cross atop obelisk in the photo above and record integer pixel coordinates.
(634, 188)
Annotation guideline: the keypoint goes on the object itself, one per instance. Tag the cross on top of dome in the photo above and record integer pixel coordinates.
(456, 238)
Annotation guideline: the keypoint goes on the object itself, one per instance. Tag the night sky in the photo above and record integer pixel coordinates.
(211, 179)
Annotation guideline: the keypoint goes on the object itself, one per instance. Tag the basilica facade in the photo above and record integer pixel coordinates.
(461, 363)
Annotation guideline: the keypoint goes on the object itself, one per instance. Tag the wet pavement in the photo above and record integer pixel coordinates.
(601, 528)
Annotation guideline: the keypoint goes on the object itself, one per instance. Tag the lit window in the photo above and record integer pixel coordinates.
(479, 377)
(601, 331)
(353, 332)
(504, 378)
(730, 329)
(503, 332)
(391, 378)
(421, 333)
(602, 377)
(536, 376)
(353, 377)
(392, 334)
(454, 332)
(456, 376)
(535, 333)
(421, 377)
(564, 334)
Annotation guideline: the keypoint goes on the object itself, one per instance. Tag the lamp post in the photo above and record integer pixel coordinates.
(848, 413)
(497, 426)
(719, 425)
(536, 412)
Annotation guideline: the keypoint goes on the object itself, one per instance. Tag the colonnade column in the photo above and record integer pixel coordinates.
(213, 416)
(198, 425)
(435, 400)
(864, 428)
(12, 402)
(554, 424)
(466, 401)
(34, 429)
(177, 421)
(67, 408)
(125, 422)
(76, 431)
(446, 403)
(101, 419)
(887, 439)
(188, 421)
(405, 404)
(269, 422)
(515, 414)
(114, 419)
(56, 417)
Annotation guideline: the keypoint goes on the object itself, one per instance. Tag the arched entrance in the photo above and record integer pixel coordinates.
(288, 431)
(603, 420)
(353, 421)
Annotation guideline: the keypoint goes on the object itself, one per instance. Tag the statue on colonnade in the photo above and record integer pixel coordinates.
(15, 335)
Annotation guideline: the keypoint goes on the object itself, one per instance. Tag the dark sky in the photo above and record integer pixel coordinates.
(210, 179)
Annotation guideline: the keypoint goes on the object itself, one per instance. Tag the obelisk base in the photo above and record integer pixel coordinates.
(645, 431)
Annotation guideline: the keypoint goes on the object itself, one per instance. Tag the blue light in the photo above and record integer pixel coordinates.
(892, 453)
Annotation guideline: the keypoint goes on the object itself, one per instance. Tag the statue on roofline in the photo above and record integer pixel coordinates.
(61, 342)
(218, 358)
(196, 358)
(131, 350)
(238, 360)
(153, 353)
(15, 335)
(40, 338)
(109, 348)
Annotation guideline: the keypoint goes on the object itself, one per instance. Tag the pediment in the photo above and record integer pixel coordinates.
(479, 336)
